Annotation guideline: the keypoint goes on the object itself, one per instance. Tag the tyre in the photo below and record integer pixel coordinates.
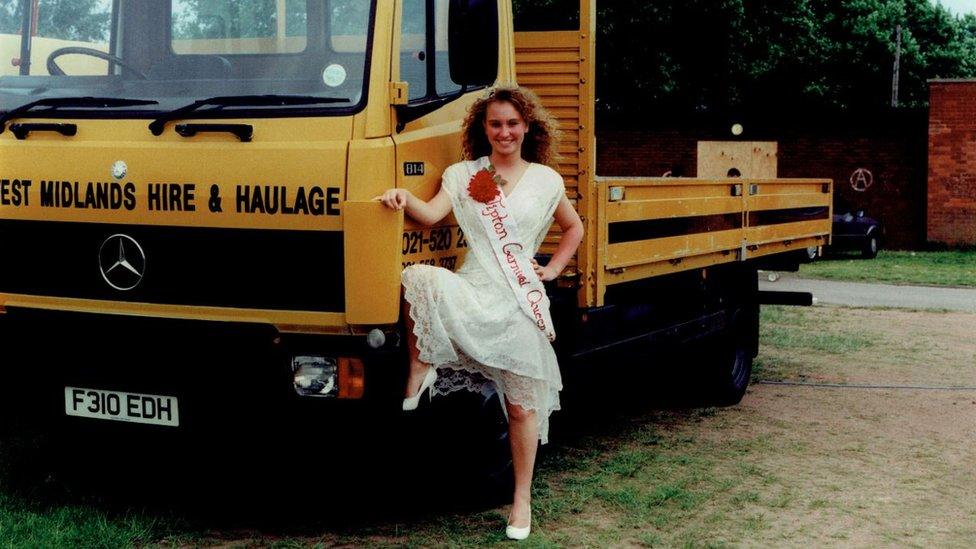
(728, 365)
(726, 356)
(870, 247)
(810, 254)
(477, 451)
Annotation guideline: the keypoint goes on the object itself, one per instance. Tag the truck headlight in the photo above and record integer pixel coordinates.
(316, 376)
(323, 376)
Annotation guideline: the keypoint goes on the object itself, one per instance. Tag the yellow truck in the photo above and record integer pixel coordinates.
(190, 241)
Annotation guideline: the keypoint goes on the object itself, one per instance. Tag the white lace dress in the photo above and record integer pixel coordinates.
(468, 323)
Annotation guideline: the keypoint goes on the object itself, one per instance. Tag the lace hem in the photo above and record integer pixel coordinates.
(531, 394)
(420, 312)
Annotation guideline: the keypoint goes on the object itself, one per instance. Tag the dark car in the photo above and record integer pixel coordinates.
(857, 232)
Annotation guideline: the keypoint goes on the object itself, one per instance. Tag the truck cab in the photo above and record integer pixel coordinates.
(188, 191)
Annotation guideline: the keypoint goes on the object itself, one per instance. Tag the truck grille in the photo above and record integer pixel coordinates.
(240, 268)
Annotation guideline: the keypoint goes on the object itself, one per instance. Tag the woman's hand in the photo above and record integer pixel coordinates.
(427, 213)
(394, 199)
(546, 273)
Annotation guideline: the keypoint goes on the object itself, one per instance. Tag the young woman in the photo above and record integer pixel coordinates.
(488, 323)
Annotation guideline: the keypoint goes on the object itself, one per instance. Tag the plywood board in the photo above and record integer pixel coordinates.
(752, 159)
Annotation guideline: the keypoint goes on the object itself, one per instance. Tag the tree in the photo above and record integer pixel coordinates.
(10, 16)
(81, 20)
(194, 19)
(240, 18)
(724, 55)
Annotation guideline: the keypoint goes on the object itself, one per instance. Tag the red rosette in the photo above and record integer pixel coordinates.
(483, 186)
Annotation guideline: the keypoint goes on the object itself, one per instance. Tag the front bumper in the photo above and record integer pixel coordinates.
(232, 381)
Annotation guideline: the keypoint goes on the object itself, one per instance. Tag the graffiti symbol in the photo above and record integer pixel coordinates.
(861, 179)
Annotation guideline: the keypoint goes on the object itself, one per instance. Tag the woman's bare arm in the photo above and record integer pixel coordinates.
(426, 213)
(572, 227)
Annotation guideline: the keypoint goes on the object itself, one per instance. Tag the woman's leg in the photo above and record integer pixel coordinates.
(418, 369)
(523, 433)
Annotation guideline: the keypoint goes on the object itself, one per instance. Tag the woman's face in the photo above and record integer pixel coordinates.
(504, 128)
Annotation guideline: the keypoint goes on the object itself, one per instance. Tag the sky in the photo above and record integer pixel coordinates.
(959, 7)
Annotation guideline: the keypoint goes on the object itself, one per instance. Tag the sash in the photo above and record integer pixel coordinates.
(509, 251)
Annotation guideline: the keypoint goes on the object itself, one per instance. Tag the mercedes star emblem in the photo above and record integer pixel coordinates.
(122, 262)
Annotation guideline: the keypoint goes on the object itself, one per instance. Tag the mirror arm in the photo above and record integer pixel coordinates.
(409, 113)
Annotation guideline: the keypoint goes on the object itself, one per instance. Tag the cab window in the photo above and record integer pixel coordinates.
(424, 50)
(225, 27)
(86, 24)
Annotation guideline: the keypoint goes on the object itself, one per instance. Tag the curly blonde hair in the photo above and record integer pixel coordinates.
(540, 140)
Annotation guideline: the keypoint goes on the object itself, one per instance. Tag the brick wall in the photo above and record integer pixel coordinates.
(952, 162)
(892, 149)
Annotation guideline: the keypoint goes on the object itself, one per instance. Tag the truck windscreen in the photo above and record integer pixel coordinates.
(171, 53)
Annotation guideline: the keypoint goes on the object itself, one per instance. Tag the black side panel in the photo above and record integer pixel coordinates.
(628, 231)
(242, 268)
(789, 215)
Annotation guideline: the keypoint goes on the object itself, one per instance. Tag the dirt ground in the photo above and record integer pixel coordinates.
(867, 468)
(874, 466)
(800, 465)
(846, 466)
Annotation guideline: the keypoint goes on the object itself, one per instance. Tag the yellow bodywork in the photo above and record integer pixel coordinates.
(664, 198)
(355, 158)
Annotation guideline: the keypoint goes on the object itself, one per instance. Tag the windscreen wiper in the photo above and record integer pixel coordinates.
(57, 102)
(157, 125)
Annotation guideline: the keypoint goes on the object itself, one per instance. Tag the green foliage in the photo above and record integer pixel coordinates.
(349, 17)
(10, 16)
(252, 19)
(235, 18)
(82, 20)
(725, 55)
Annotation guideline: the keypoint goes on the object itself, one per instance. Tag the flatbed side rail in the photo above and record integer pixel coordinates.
(656, 226)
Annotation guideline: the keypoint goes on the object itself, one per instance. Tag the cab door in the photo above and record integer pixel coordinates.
(428, 128)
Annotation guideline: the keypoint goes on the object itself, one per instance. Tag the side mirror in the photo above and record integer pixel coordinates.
(473, 41)
(860, 213)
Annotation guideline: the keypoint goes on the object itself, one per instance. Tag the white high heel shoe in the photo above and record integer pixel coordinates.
(411, 403)
(517, 534)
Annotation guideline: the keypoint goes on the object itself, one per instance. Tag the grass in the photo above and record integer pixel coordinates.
(642, 482)
(945, 268)
(795, 328)
(38, 510)
(27, 524)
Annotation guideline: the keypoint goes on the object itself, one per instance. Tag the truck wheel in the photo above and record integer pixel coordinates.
(870, 248)
(728, 360)
(731, 370)
(471, 441)
(496, 472)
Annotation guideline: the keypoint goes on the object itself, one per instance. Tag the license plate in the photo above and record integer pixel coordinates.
(118, 406)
